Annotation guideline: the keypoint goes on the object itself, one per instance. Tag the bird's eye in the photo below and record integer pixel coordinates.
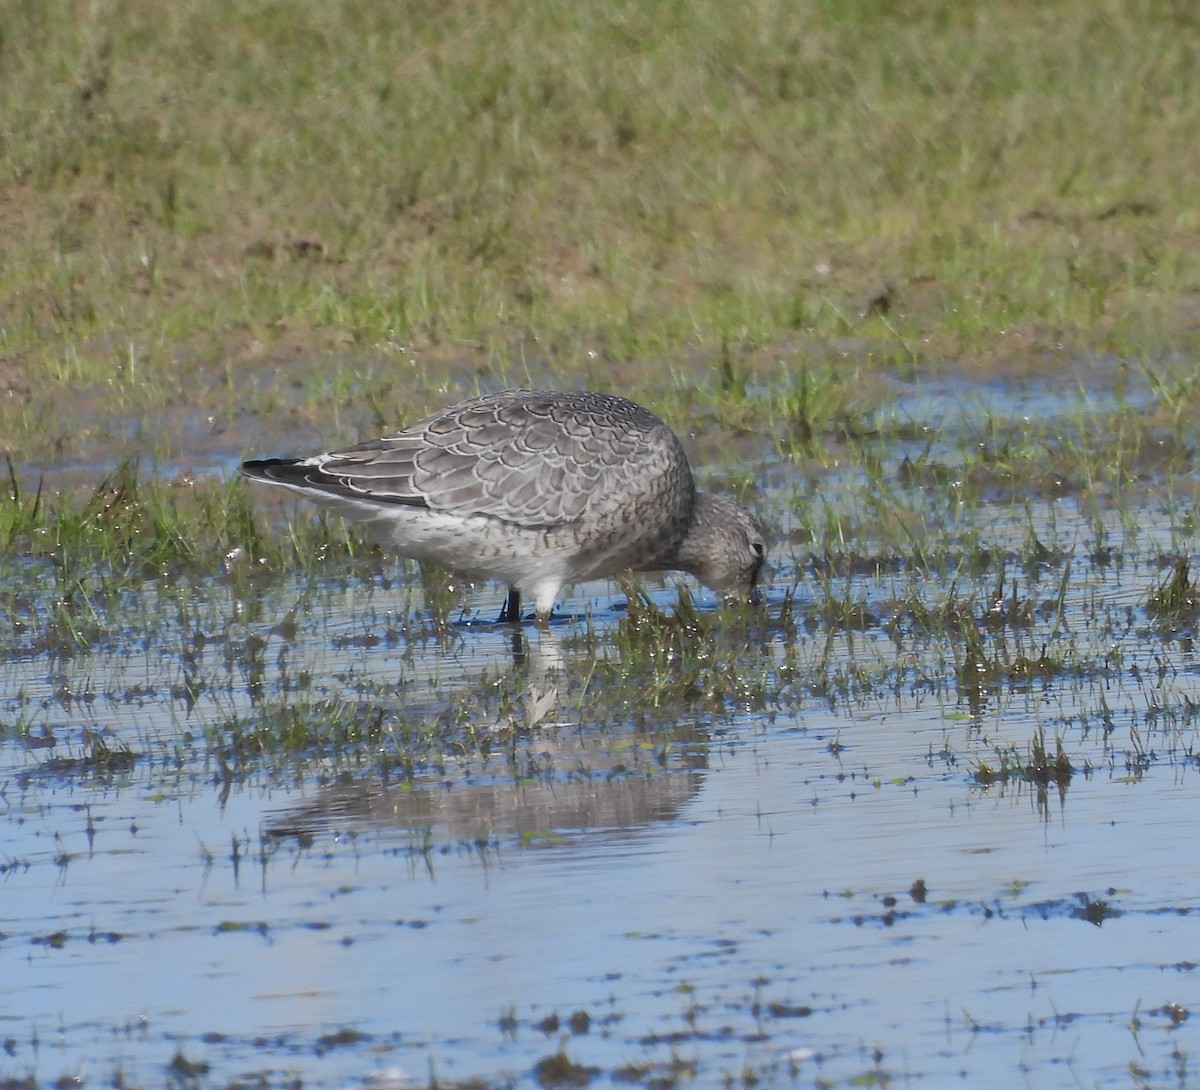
(757, 548)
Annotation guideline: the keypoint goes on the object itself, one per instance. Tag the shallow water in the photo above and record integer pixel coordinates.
(783, 871)
(742, 918)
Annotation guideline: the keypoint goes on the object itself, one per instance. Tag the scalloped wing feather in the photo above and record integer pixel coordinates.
(526, 459)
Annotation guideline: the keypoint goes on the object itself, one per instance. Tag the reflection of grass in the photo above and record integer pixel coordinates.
(1038, 765)
(199, 183)
(1176, 602)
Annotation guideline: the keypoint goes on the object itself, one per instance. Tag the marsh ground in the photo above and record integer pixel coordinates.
(921, 284)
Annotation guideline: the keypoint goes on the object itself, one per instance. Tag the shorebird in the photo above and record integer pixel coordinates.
(536, 489)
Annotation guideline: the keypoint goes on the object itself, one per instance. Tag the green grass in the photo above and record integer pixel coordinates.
(615, 194)
(77, 566)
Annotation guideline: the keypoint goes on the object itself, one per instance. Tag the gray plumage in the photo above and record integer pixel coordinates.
(536, 489)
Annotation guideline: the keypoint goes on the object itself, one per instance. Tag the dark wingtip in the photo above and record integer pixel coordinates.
(269, 469)
(307, 476)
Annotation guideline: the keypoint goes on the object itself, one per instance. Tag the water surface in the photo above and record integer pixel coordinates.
(608, 864)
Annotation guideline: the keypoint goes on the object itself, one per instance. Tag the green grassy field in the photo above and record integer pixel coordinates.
(581, 191)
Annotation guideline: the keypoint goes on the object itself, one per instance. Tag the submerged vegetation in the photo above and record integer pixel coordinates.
(892, 578)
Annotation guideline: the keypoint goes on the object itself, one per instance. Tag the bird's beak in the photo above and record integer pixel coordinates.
(754, 598)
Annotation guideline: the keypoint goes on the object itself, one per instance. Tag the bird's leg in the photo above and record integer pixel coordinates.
(516, 639)
(511, 613)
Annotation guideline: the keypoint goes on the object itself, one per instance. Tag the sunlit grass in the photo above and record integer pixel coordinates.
(564, 191)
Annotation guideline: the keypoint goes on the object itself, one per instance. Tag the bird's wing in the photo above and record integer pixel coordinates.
(530, 461)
